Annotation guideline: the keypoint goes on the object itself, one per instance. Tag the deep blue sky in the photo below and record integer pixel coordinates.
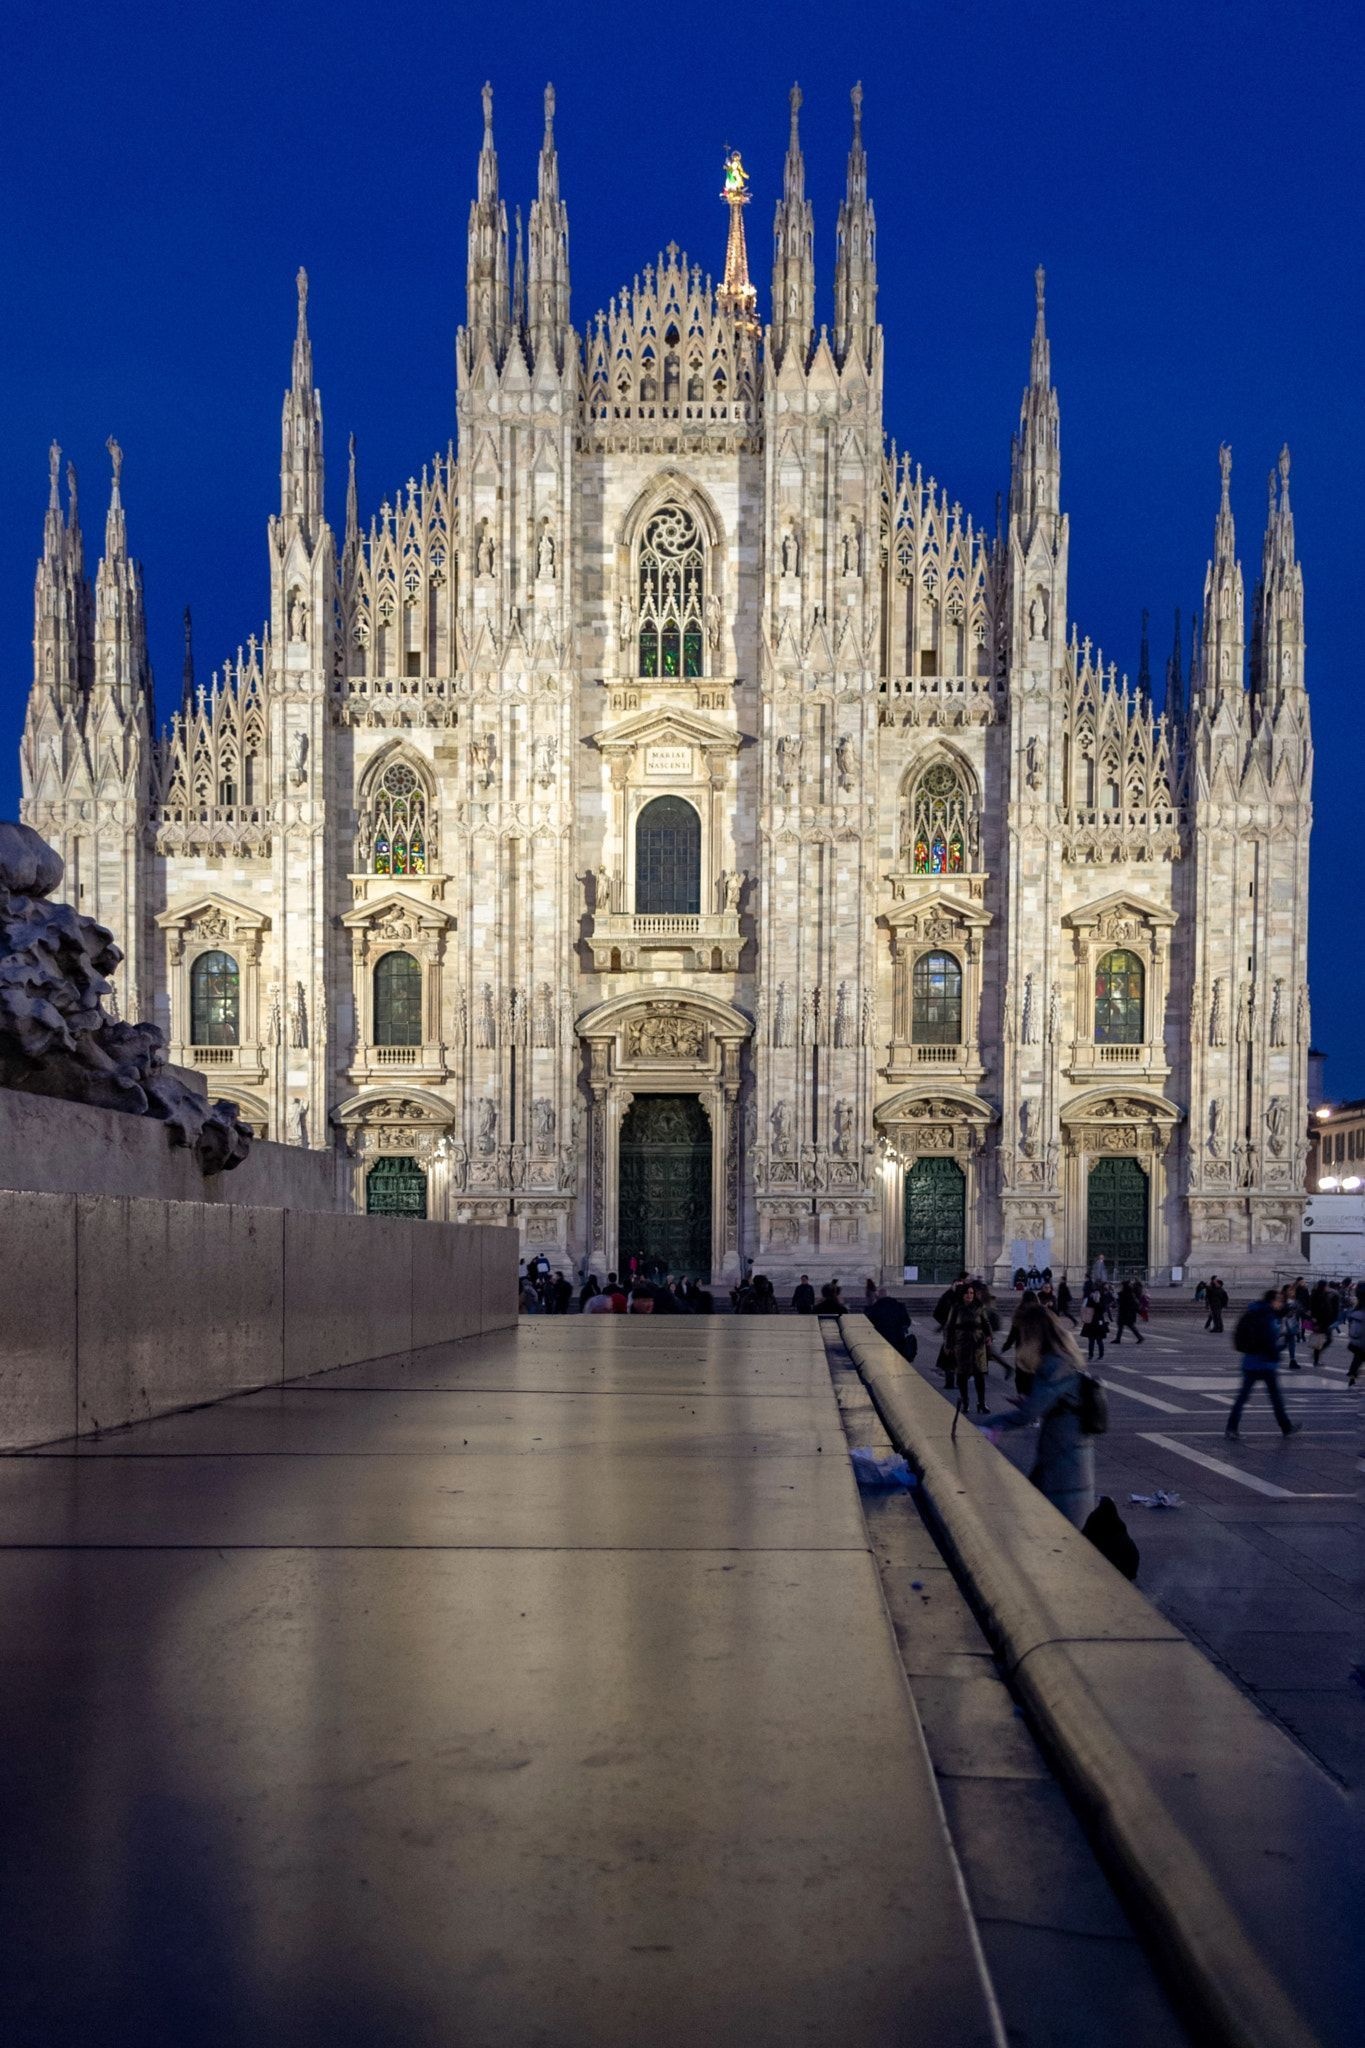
(1191, 175)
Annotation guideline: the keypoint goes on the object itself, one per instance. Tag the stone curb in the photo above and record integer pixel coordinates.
(1146, 1735)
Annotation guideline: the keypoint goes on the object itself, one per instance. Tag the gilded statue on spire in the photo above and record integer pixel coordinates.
(737, 295)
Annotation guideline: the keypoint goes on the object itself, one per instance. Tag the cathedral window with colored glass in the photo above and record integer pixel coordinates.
(1119, 991)
(671, 595)
(938, 822)
(399, 825)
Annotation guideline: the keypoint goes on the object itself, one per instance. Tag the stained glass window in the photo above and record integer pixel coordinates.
(215, 1000)
(672, 597)
(1119, 985)
(398, 1000)
(936, 1000)
(399, 821)
(938, 822)
(668, 858)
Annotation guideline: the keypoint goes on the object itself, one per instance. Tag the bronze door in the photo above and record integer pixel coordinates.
(936, 1219)
(665, 1182)
(1116, 1216)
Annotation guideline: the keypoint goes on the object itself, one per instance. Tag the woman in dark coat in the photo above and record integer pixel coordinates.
(1064, 1466)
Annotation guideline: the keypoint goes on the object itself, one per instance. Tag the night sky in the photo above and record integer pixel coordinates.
(1190, 175)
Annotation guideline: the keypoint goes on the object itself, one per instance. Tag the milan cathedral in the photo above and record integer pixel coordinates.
(672, 824)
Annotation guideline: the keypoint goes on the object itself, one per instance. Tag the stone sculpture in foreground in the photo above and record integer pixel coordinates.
(54, 1036)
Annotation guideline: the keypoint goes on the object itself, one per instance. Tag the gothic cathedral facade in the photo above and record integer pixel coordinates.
(672, 825)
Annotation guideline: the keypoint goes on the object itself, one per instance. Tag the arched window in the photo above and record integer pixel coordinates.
(672, 596)
(668, 858)
(215, 1000)
(398, 823)
(398, 1000)
(1119, 982)
(936, 1000)
(937, 836)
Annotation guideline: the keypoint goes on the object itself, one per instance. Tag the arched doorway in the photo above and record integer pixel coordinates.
(396, 1187)
(1116, 1216)
(936, 1219)
(665, 1182)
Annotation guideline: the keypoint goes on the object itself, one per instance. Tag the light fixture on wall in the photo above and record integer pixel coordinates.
(1328, 1184)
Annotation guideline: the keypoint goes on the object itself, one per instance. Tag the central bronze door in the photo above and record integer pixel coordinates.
(665, 1205)
(936, 1219)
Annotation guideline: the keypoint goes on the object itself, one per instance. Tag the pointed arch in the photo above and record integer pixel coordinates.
(397, 830)
(940, 813)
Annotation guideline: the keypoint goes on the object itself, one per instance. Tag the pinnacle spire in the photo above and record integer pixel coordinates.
(187, 667)
(488, 309)
(1144, 674)
(1040, 368)
(122, 676)
(115, 526)
(547, 317)
(793, 298)
(352, 502)
(737, 295)
(301, 475)
(1224, 636)
(1277, 663)
(63, 624)
(1036, 483)
(855, 269)
(1175, 683)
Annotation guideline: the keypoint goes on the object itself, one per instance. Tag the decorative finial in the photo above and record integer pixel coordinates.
(736, 179)
(549, 113)
(488, 111)
(1284, 466)
(71, 490)
(857, 98)
(1225, 468)
(54, 464)
(301, 281)
(116, 457)
(796, 104)
(1040, 289)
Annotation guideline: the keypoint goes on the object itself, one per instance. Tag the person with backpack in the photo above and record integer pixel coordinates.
(1067, 1403)
(1260, 1340)
(891, 1319)
(1355, 1335)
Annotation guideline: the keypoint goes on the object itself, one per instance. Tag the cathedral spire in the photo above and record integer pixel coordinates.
(518, 277)
(115, 525)
(793, 302)
(1144, 673)
(352, 539)
(1224, 638)
(187, 666)
(62, 621)
(737, 295)
(855, 268)
(301, 432)
(1036, 486)
(1278, 640)
(548, 251)
(488, 312)
(121, 687)
(1175, 685)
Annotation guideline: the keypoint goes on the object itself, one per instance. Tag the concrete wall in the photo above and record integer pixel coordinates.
(66, 1148)
(115, 1310)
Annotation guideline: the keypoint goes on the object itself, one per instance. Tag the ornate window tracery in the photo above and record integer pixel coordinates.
(398, 1000)
(936, 1000)
(672, 595)
(1120, 988)
(937, 835)
(215, 1000)
(398, 823)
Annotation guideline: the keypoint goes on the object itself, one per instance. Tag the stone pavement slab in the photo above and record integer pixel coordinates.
(593, 1747)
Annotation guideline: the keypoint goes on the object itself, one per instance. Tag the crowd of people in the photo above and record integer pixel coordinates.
(551, 1293)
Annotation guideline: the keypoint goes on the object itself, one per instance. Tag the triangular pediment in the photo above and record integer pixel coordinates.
(665, 725)
(936, 902)
(396, 906)
(212, 907)
(1120, 904)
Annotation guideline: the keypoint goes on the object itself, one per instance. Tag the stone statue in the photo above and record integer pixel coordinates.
(55, 1038)
(1277, 1124)
(488, 1126)
(1277, 1019)
(1028, 1127)
(298, 1122)
(844, 762)
(714, 620)
(1216, 1128)
(1054, 1013)
(843, 1127)
(1028, 1027)
(603, 889)
(625, 619)
(298, 759)
(545, 555)
(1246, 1013)
(781, 1129)
(791, 555)
(788, 762)
(1218, 1023)
(543, 1125)
(734, 889)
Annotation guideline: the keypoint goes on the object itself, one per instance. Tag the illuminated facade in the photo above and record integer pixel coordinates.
(674, 824)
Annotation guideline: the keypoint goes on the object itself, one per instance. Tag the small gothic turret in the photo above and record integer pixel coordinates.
(122, 680)
(793, 305)
(1175, 687)
(301, 433)
(1036, 478)
(855, 269)
(351, 540)
(1224, 647)
(62, 619)
(1277, 635)
(488, 315)
(547, 314)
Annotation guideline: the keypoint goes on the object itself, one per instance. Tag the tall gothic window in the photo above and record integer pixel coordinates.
(671, 595)
(215, 1000)
(398, 1000)
(1119, 983)
(937, 836)
(398, 835)
(936, 1000)
(668, 858)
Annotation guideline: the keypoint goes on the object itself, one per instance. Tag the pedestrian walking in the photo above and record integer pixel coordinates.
(1324, 1306)
(803, 1300)
(1291, 1326)
(968, 1338)
(1095, 1327)
(1355, 1335)
(1064, 1300)
(1028, 1337)
(1215, 1301)
(1129, 1309)
(1064, 1463)
(1260, 1340)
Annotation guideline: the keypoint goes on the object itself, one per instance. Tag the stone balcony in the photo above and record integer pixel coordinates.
(956, 1062)
(697, 942)
(1145, 1062)
(241, 1062)
(398, 1062)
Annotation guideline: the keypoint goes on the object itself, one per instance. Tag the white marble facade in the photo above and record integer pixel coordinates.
(957, 894)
